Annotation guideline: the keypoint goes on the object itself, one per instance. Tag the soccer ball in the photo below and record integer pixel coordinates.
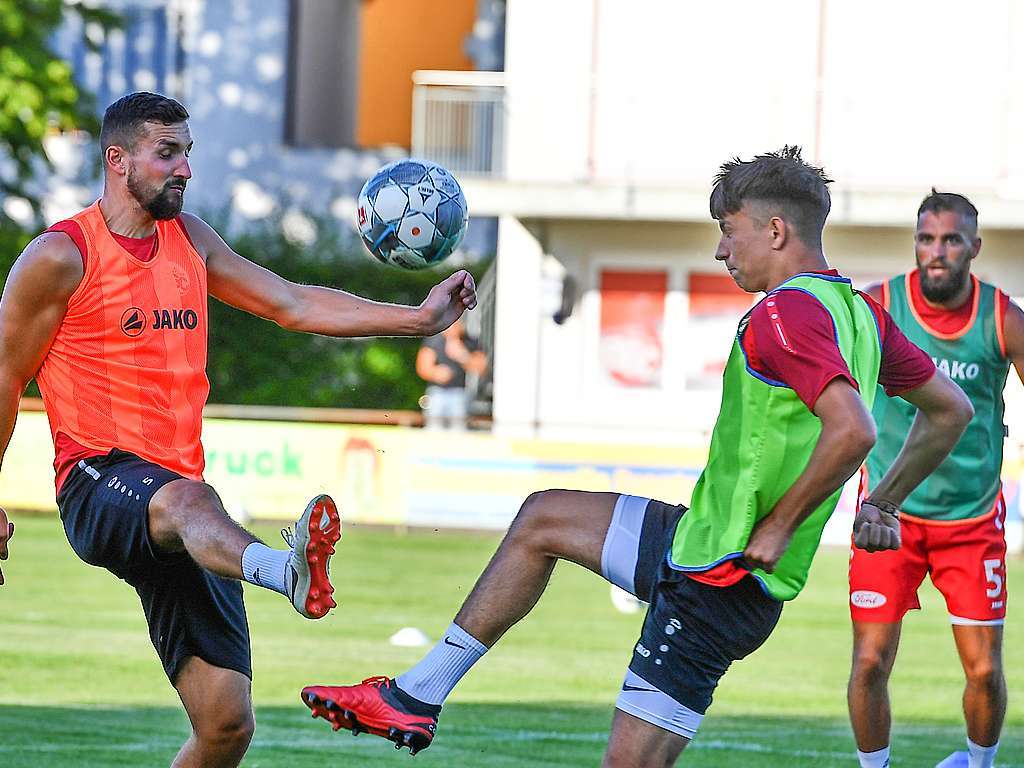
(412, 214)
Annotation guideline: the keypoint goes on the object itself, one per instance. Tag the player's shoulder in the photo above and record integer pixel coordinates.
(190, 220)
(790, 312)
(873, 300)
(51, 259)
(875, 290)
(54, 249)
(1013, 316)
(204, 238)
(791, 300)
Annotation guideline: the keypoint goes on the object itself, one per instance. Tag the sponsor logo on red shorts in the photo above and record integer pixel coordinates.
(865, 598)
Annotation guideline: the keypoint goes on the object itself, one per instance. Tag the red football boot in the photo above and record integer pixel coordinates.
(375, 706)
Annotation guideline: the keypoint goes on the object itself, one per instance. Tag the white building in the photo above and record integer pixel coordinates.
(616, 116)
(595, 148)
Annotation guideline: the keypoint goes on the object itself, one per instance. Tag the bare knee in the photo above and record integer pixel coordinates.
(227, 731)
(638, 744)
(175, 503)
(984, 673)
(538, 520)
(872, 664)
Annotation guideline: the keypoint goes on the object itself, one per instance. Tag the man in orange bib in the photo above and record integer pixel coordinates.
(107, 310)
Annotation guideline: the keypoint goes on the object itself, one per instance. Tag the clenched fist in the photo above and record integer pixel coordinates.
(877, 526)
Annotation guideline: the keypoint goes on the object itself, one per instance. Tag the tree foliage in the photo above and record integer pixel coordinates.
(38, 93)
(252, 361)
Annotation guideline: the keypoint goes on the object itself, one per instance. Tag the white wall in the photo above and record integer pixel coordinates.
(655, 91)
(569, 399)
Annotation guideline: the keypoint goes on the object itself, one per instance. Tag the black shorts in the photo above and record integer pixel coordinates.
(692, 631)
(104, 504)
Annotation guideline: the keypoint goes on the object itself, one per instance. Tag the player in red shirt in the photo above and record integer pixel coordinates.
(952, 524)
(786, 370)
(108, 312)
(790, 338)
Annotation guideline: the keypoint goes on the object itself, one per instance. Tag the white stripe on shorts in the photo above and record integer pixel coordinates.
(641, 699)
(960, 621)
(622, 542)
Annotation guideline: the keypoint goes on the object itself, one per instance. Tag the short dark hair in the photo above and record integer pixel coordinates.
(936, 202)
(781, 181)
(124, 119)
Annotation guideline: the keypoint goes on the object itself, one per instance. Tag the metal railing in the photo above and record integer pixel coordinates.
(458, 120)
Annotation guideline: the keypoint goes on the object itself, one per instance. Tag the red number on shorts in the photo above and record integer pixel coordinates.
(993, 578)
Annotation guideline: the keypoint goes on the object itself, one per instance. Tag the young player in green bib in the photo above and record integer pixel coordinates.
(794, 425)
(952, 526)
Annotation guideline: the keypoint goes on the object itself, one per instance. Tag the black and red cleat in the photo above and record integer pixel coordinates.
(376, 706)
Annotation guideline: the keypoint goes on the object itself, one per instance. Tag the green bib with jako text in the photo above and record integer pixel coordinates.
(967, 483)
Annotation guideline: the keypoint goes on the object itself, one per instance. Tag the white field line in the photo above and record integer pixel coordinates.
(368, 743)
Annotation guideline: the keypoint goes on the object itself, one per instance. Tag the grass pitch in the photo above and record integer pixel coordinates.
(80, 684)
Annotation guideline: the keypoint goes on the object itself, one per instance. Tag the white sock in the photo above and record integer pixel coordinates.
(979, 756)
(439, 672)
(877, 759)
(266, 567)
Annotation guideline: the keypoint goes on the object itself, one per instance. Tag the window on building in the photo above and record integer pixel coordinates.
(323, 72)
(632, 320)
(716, 306)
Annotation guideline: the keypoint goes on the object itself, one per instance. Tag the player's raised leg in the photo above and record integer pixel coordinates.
(219, 706)
(550, 526)
(874, 652)
(186, 515)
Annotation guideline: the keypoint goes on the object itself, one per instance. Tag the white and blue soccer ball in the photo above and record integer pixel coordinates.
(412, 214)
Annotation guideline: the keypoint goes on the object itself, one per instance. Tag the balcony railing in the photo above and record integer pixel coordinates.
(458, 121)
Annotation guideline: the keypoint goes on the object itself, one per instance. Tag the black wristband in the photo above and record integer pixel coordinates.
(886, 506)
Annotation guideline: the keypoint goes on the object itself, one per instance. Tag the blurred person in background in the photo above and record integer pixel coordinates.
(108, 311)
(793, 427)
(952, 524)
(443, 362)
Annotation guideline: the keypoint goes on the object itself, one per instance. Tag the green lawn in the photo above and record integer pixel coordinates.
(81, 686)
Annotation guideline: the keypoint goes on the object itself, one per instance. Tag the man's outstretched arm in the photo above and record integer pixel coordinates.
(847, 435)
(315, 309)
(34, 302)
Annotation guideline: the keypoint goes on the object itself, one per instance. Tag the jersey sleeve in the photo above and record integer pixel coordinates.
(72, 229)
(791, 340)
(904, 366)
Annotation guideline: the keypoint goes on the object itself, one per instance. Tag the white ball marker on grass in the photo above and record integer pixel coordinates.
(410, 637)
(625, 602)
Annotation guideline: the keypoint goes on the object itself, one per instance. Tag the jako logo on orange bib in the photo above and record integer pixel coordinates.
(175, 318)
(865, 598)
(134, 320)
